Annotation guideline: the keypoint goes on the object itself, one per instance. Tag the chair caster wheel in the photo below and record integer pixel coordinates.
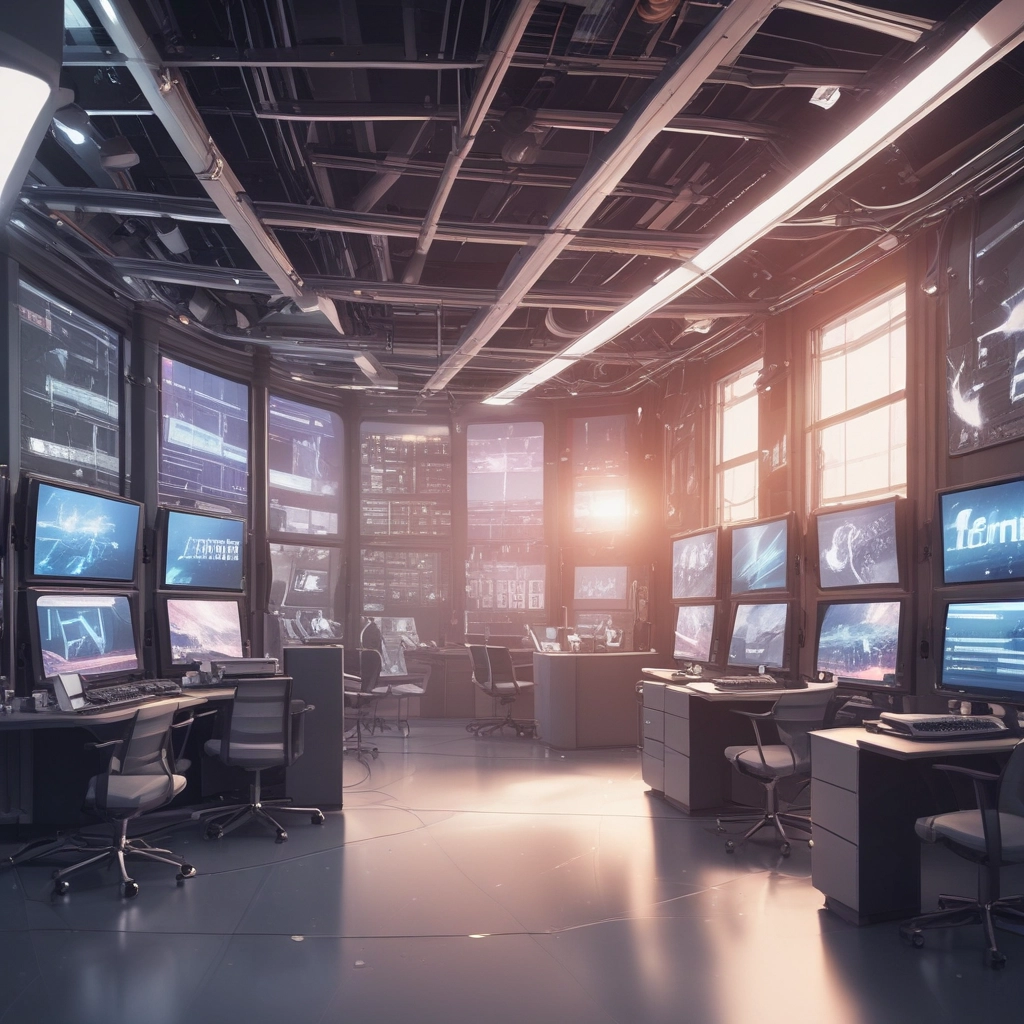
(214, 832)
(730, 847)
(317, 819)
(785, 849)
(187, 871)
(997, 961)
(282, 836)
(130, 889)
(915, 938)
(60, 887)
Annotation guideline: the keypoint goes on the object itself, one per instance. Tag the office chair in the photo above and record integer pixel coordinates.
(796, 714)
(139, 778)
(494, 673)
(264, 729)
(403, 691)
(992, 836)
(362, 694)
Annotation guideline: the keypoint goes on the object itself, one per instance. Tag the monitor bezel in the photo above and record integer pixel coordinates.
(27, 519)
(813, 555)
(163, 517)
(165, 664)
(715, 655)
(902, 644)
(789, 519)
(788, 658)
(690, 535)
(35, 655)
(595, 604)
(940, 533)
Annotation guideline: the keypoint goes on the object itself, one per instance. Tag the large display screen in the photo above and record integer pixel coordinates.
(695, 630)
(202, 629)
(983, 648)
(91, 634)
(857, 547)
(861, 640)
(695, 566)
(759, 556)
(204, 552)
(82, 536)
(604, 583)
(759, 635)
(983, 533)
(505, 481)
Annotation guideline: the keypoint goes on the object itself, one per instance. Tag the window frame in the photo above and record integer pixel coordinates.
(720, 465)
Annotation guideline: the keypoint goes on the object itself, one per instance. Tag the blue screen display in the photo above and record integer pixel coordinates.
(983, 533)
(983, 648)
(695, 566)
(861, 641)
(83, 536)
(857, 547)
(759, 555)
(695, 628)
(759, 635)
(91, 634)
(203, 552)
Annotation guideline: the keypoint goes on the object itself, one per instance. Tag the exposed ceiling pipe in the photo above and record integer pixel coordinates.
(720, 41)
(483, 98)
(890, 23)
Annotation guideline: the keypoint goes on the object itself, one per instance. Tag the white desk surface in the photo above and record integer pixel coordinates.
(909, 750)
(706, 689)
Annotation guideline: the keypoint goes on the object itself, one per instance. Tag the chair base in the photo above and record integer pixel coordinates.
(771, 817)
(962, 910)
(229, 818)
(490, 726)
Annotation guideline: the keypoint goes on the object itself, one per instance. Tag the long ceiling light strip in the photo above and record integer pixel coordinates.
(981, 46)
(24, 97)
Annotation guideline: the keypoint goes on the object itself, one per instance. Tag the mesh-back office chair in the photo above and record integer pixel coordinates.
(139, 778)
(796, 714)
(264, 729)
(992, 836)
(362, 694)
(494, 673)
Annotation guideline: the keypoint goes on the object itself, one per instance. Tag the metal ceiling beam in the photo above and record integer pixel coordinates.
(483, 97)
(719, 43)
(889, 23)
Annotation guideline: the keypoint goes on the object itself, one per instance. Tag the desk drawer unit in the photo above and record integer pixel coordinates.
(677, 777)
(677, 734)
(653, 769)
(654, 695)
(654, 725)
(677, 702)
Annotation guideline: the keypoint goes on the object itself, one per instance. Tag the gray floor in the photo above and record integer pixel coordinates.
(479, 880)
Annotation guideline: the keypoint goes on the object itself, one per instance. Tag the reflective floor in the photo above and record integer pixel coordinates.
(479, 880)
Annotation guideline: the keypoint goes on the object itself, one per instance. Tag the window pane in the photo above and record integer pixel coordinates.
(505, 481)
(304, 452)
(736, 429)
(69, 393)
(204, 440)
(505, 586)
(864, 455)
(303, 593)
(738, 492)
(739, 429)
(399, 580)
(600, 466)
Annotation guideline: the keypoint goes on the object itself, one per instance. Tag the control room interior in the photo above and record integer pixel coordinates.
(590, 433)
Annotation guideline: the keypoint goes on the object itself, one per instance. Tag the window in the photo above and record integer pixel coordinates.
(304, 451)
(400, 580)
(600, 472)
(505, 481)
(204, 439)
(505, 583)
(70, 374)
(859, 428)
(303, 591)
(737, 449)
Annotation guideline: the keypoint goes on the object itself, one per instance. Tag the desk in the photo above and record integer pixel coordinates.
(867, 791)
(451, 692)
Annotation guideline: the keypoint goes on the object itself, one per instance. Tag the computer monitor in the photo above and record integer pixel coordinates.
(695, 633)
(695, 566)
(93, 634)
(599, 587)
(548, 639)
(760, 556)
(79, 536)
(983, 649)
(858, 546)
(197, 628)
(760, 635)
(859, 642)
(201, 552)
(983, 533)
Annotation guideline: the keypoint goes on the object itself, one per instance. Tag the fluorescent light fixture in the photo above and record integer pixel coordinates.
(826, 96)
(981, 46)
(74, 136)
(22, 98)
(108, 10)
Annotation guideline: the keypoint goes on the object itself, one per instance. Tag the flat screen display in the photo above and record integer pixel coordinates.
(861, 641)
(600, 583)
(91, 634)
(983, 648)
(695, 629)
(202, 629)
(857, 547)
(759, 635)
(983, 533)
(204, 552)
(695, 566)
(82, 536)
(759, 556)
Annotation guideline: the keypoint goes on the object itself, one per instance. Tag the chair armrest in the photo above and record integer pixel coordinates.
(103, 745)
(755, 717)
(184, 723)
(989, 811)
(300, 707)
(752, 714)
(970, 772)
(205, 714)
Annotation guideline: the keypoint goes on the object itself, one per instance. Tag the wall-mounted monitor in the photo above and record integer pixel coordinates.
(201, 552)
(760, 635)
(79, 536)
(199, 628)
(90, 633)
(695, 566)
(549, 639)
(859, 642)
(983, 533)
(760, 556)
(983, 649)
(695, 633)
(596, 587)
(858, 546)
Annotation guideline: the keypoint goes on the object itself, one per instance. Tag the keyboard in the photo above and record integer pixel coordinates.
(942, 727)
(105, 698)
(765, 682)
